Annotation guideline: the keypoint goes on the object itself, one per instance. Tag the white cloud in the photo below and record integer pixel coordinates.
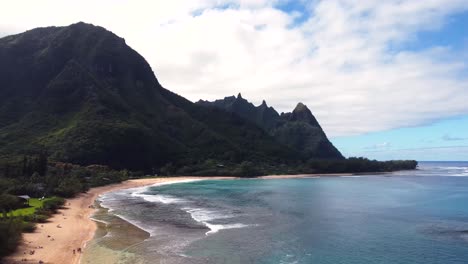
(345, 62)
(379, 146)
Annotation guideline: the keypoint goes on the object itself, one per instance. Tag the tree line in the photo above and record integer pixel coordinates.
(34, 175)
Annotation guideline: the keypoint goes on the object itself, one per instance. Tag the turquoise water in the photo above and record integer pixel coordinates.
(409, 217)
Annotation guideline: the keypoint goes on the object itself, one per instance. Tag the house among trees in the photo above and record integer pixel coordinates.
(25, 198)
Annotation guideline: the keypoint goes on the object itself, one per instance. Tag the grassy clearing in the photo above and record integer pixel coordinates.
(34, 203)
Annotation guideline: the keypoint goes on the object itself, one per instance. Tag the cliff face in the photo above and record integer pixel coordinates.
(299, 129)
(80, 93)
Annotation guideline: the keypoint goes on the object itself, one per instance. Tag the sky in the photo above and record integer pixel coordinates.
(385, 78)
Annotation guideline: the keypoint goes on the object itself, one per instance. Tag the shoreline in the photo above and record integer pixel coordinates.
(54, 244)
(72, 227)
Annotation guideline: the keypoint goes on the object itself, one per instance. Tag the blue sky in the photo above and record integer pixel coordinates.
(443, 140)
(386, 79)
(453, 34)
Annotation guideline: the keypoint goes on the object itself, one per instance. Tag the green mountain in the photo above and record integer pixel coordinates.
(84, 96)
(298, 129)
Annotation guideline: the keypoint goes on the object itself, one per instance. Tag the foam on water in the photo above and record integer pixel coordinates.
(200, 215)
(149, 229)
(165, 199)
(173, 182)
(203, 216)
(138, 224)
(99, 220)
(107, 199)
(452, 168)
(216, 228)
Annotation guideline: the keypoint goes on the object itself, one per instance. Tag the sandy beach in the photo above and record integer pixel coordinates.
(72, 227)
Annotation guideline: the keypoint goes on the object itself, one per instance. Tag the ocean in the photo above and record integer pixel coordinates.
(417, 217)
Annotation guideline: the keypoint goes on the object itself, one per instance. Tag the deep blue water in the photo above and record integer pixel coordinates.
(405, 217)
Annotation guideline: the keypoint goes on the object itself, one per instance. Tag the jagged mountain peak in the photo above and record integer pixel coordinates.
(300, 107)
(302, 113)
(298, 129)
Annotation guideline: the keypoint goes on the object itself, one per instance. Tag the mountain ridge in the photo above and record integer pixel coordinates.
(298, 129)
(86, 97)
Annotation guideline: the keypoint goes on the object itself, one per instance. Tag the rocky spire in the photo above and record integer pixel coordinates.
(302, 113)
(300, 107)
